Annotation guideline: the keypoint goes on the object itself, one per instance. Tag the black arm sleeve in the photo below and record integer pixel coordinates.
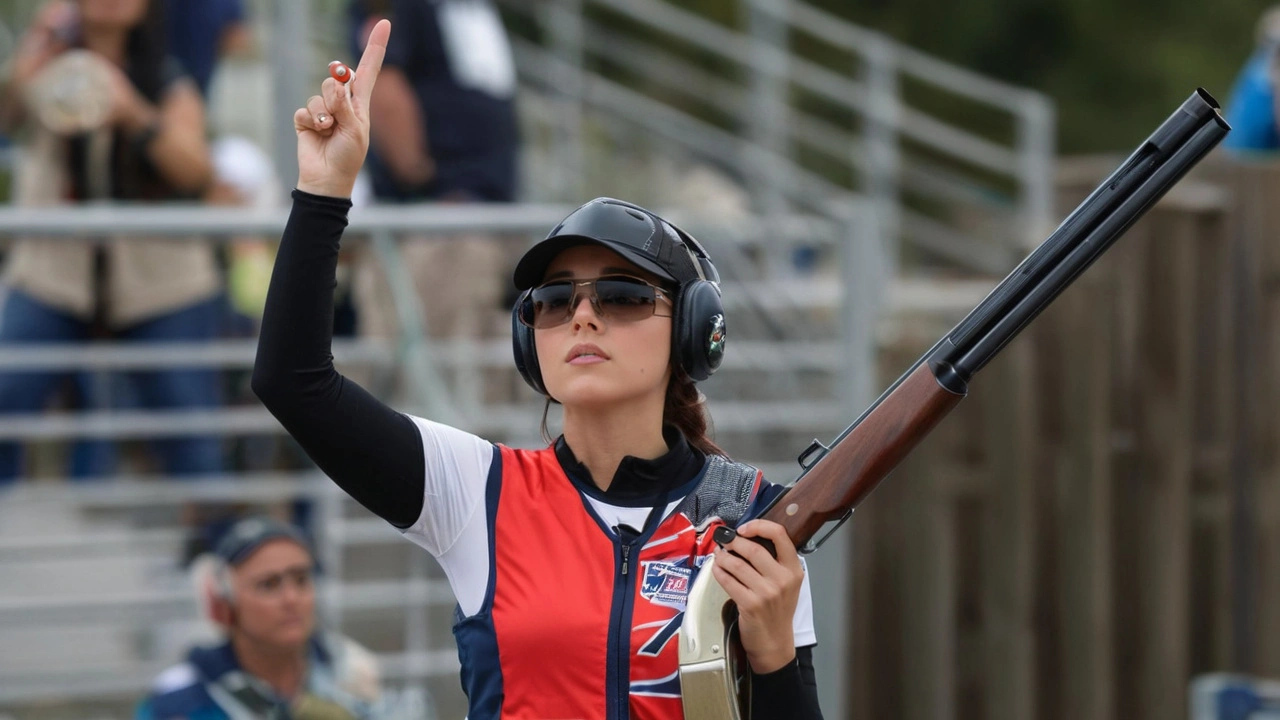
(372, 452)
(791, 692)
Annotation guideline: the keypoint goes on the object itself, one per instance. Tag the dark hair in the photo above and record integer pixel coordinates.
(145, 51)
(146, 66)
(684, 407)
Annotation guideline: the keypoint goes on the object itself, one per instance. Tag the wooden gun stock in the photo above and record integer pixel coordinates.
(854, 466)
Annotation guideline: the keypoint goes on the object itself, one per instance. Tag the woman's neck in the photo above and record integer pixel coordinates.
(600, 440)
(110, 43)
(284, 670)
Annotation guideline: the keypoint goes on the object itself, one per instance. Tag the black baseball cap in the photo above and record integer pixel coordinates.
(251, 533)
(643, 238)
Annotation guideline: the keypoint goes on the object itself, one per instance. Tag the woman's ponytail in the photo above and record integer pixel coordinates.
(685, 407)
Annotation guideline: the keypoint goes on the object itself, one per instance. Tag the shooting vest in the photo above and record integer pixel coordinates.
(579, 621)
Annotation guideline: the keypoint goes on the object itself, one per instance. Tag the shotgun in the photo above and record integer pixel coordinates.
(833, 480)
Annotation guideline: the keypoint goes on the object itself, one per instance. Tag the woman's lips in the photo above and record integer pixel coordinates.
(586, 354)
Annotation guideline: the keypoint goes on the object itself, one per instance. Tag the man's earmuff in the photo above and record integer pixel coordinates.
(219, 596)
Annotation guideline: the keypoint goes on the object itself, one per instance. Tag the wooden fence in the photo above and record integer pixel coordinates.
(1100, 520)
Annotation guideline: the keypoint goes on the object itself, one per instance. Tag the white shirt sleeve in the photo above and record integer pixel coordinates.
(802, 623)
(453, 526)
(457, 470)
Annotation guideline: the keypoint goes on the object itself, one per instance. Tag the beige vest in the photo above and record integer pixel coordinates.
(145, 277)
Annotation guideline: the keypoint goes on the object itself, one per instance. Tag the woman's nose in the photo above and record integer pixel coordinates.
(584, 311)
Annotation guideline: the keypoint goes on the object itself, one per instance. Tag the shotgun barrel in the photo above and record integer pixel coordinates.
(1178, 144)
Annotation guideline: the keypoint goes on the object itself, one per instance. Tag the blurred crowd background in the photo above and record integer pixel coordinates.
(1094, 535)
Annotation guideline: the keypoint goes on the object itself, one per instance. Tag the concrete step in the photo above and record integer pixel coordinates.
(51, 550)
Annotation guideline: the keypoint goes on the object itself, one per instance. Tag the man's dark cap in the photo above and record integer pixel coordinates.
(249, 534)
(636, 234)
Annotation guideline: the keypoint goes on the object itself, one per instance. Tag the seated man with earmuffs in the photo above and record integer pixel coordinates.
(259, 589)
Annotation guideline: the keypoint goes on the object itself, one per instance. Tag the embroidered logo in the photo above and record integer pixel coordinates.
(666, 584)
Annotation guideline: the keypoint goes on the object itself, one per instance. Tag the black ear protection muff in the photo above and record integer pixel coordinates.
(698, 331)
(698, 324)
(525, 352)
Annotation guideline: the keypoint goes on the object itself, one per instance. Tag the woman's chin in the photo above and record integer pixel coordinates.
(588, 393)
(579, 397)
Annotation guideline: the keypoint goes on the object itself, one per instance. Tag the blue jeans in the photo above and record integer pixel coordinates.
(24, 319)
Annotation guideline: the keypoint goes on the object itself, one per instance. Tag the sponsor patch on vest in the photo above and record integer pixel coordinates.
(666, 583)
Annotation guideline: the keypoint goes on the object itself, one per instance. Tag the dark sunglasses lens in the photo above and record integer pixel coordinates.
(549, 305)
(625, 300)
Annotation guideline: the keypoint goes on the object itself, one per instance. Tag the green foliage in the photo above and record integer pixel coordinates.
(1115, 70)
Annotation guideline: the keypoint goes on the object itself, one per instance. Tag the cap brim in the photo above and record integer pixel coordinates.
(242, 554)
(533, 266)
(244, 538)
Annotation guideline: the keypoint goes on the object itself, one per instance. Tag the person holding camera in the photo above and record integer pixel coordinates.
(105, 114)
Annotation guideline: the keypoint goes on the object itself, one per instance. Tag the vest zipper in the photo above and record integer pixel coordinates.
(620, 635)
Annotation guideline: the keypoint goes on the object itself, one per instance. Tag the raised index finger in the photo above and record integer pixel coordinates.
(371, 60)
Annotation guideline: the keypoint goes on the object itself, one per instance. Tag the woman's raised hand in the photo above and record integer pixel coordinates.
(48, 35)
(333, 129)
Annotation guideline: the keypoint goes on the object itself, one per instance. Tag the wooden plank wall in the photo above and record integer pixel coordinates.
(1100, 520)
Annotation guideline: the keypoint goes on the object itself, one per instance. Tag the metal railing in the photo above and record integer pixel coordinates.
(754, 117)
(430, 398)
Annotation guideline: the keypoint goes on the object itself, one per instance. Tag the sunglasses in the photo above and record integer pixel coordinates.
(615, 298)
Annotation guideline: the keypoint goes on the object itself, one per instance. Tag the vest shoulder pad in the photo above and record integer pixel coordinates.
(725, 493)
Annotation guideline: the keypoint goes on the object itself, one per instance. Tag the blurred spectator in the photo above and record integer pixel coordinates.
(443, 122)
(443, 129)
(198, 33)
(245, 177)
(105, 114)
(201, 32)
(258, 588)
(1251, 106)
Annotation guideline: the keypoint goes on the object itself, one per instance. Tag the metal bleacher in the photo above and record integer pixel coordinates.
(632, 98)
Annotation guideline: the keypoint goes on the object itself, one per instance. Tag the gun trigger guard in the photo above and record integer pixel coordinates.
(811, 454)
(815, 544)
